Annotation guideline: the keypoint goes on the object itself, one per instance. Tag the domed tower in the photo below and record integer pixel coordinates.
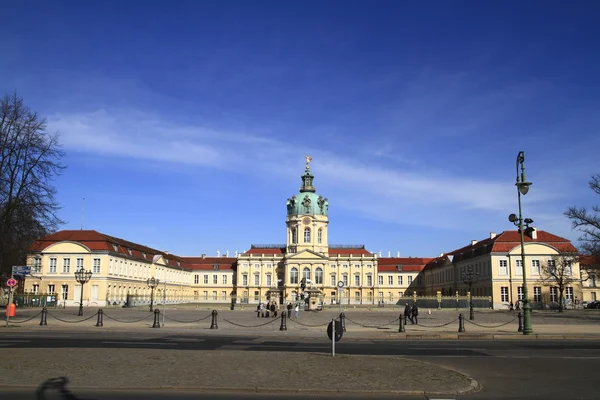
(307, 218)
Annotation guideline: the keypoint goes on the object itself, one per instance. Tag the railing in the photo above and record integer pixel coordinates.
(347, 246)
(267, 246)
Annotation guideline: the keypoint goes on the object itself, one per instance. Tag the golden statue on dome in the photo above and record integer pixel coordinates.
(308, 160)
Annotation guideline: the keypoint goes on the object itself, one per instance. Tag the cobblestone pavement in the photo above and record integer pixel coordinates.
(229, 371)
(359, 322)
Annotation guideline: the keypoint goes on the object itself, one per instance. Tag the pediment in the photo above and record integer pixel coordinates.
(307, 255)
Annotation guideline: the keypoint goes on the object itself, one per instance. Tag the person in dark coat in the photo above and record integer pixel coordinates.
(273, 309)
(407, 313)
(289, 310)
(415, 314)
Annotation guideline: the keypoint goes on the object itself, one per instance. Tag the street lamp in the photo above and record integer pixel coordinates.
(470, 278)
(82, 276)
(522, 189)
(152, 284)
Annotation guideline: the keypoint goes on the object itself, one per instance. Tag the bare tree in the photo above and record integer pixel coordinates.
(29, 161)
(558, 272)
(588, 223)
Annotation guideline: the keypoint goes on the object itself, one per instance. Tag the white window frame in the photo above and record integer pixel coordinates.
(52, 267)
(96, 266)
(503, 268)
(535, 267)
(66, 265)
(504, 294)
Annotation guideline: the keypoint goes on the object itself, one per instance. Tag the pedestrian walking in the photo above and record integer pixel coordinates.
(415, 313)
(407, 313)
(289, 310)
(297, 309)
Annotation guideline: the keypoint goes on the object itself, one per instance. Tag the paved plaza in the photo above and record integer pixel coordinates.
(359, 322)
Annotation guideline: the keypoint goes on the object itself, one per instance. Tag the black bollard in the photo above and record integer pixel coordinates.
(283, 326)
(43, 319)
(520, 316)
(343, 321)
(213, 324)
(461, 323)
(100, 314)
(156, 318)
(402, 323)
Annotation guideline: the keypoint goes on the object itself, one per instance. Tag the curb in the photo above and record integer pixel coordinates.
(471, 388)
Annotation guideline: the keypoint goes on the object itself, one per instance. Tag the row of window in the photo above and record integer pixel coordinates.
(333, 266)
(66, 265)
(537, 293)
(307, 235)
(306, 274)
(215, 279)
(536, 268)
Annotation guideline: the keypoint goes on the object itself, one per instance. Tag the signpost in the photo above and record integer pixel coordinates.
(335, 333)
(340, 288)
(10, 283)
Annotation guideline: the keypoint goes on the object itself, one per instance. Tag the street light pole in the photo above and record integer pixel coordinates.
(152, 283)
(82, 277)
(470, 278)
(522, 189)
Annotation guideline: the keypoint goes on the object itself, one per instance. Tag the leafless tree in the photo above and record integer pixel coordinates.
(30, 158)
(588, 223)
(558, 272)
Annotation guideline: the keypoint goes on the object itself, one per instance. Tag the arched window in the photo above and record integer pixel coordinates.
(306, 273)
(294, 235)
(294, 275)
(320, 235)
(319, 276)
(307, 235)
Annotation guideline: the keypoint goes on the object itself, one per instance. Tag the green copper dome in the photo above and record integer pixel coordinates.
(307, 201)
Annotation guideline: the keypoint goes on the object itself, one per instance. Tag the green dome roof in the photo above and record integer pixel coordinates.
(307, 201)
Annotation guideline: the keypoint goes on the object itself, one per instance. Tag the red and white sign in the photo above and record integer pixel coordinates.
(11, 282)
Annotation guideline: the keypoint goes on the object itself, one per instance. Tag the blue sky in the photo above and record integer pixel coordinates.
(186, 123)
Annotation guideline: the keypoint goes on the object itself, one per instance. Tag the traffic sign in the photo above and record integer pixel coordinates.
(21, 270)
(339, 331)
(11, 282)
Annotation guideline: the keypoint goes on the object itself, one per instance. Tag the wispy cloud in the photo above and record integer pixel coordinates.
(403, 194)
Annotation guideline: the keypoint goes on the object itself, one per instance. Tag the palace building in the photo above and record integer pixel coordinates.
(306, 265)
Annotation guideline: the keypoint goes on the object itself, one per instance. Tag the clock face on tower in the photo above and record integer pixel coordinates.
(306, 220)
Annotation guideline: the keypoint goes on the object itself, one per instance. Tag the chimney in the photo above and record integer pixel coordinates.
(492, 235)
(398, 254)
(389, 254)
(203, 256)
(473, 242)
(534, 233)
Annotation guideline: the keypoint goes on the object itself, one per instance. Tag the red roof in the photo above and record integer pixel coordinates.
(266, 251)
(408, 263)
(589, 261)
(208, 263)
(333, 251)
(503, 243)
(98, 241)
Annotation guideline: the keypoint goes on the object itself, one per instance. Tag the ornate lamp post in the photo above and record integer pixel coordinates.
(152, 284)
(522, 189)
(470, 278)
(82, 276)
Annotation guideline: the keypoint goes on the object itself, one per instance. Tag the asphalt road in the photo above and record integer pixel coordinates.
(512, 369)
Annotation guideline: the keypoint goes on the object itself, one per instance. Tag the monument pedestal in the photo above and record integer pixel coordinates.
(313, 299)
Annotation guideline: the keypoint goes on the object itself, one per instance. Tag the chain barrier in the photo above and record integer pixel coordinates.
(438, 326)
(372, 326)
(250, 326)
(129, 322)
(307, 325)
(25, 320)
(73, 322)
(493, 326)
(188, 322)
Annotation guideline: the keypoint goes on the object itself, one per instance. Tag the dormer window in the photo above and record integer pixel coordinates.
(130, 251)
(115, 247)
(399, 267)
(216, 267)
(144, 255)
(178, 264)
